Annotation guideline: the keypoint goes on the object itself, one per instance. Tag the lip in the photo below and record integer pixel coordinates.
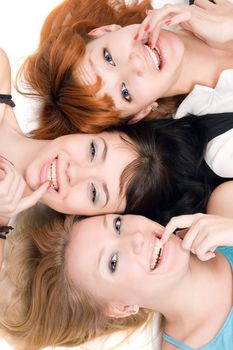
(149, 59)
(163, 256)
(44, 174)
(160, 47)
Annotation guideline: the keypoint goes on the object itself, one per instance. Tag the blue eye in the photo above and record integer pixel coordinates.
(113, 262)
(125, 93)
(93, 193)
(92, 150)
(108, 57)
(117, 224)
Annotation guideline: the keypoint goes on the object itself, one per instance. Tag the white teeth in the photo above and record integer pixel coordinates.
(153, 55)
(52, 174)
(156, 254)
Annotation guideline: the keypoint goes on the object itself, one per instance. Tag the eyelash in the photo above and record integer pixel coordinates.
(116, 226)
(114, 258)
(93, 193)
(92, 150)
(125, 93)
(113, 262)
(108, 57)
(124, 90)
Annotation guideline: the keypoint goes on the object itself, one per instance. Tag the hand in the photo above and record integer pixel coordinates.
(212, 23)
(12, 187)
(205, 233)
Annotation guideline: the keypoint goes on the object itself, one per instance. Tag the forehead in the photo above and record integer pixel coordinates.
(80, 255)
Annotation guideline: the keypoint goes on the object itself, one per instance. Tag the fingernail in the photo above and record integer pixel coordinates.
(147, 28)
(150, 44)
(136, 37)
(168, 23)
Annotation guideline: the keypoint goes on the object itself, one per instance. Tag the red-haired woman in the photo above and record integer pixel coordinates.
(95, 67)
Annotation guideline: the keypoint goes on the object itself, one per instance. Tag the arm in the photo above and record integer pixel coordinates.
(221, 200)
(206, 232)
(3, 222)
(212, 23)
(5, 74)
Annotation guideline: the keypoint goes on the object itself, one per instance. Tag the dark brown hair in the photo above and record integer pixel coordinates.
(170, 176)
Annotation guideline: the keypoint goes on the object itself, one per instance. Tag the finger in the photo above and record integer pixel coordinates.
(7, 160)
(159, 15)
(222, 2)
(153, 37)
(196, 233)
(206, 256)
(188, 241)
(18, 194)
(33, 198)
(181, 233)
(143, 28)
(204, 4)
(208, 244)
(6, 182)
(181, 221)
(15, 184)
(183, 17)
(201, 235)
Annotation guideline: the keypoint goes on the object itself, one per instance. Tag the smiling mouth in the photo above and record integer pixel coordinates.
(52, 175)
(155, 55)
(156, 255)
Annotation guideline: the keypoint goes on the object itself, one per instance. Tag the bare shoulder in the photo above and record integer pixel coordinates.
(221, 200)
(5, 73)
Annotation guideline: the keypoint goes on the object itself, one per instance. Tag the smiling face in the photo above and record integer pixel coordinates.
(133, 75)
(126, 261)
(85, 172)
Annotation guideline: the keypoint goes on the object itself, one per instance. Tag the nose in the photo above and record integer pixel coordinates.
(137, 243)
(136, 63)
(77, 172)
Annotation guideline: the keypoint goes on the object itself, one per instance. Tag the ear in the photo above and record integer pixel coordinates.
(98, 32)
(119, 311)
(143, 113)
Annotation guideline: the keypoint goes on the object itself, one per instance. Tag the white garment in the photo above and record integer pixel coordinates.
(204, 100)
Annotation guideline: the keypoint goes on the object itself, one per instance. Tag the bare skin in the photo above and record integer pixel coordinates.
(205, 233)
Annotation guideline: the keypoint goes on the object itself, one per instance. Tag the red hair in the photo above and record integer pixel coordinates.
(68, 105)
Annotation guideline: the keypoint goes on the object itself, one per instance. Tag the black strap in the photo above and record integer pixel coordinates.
(216, 124)
(7, 99)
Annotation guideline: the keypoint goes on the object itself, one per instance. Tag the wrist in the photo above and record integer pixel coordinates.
(4, 221)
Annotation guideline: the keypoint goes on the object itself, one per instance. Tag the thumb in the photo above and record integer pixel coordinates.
(33, 198)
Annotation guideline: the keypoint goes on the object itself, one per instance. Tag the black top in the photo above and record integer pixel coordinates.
(215, 125)
(7, 99)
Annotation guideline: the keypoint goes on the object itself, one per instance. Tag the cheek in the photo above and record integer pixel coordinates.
(68, 205)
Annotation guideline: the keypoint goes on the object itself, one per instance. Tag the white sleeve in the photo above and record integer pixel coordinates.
(205, 100)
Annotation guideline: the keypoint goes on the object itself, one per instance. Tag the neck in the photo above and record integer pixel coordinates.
(201, 64)
(23, 151)
(199, 297)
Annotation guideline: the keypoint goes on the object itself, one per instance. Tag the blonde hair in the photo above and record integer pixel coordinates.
(44, 308)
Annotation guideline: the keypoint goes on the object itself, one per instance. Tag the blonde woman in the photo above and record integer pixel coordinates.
(67, 290)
